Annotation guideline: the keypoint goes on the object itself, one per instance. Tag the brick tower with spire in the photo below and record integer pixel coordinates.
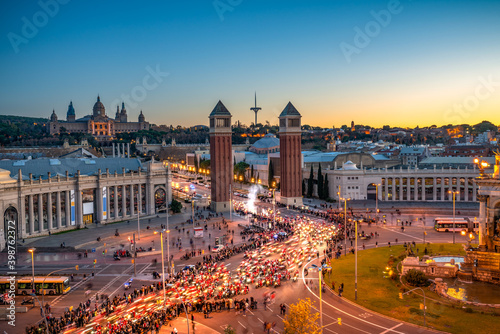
(221, 160)
(290, 156)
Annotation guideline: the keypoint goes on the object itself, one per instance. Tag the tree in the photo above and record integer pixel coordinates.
(240, 169)
(320, 183)
(196, 163)
(176, 206)
(205, 164)
(326, 190)
(251, 172)
(303, 187)
(416, 278)
(310, 183)
(270, 177)
(301, 319)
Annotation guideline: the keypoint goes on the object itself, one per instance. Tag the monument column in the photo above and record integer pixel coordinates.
(401, 193)
(434, 188)
(32, 215)
(115, 200)
(221, 158)
(49, 211)
(386, 188)
(132, 202)
(394, 192)
(290, 156)
(482, 221)
(67, 207)
(58, 209)
(442, 188)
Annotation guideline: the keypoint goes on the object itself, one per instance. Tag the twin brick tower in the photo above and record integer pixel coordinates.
(221, 157)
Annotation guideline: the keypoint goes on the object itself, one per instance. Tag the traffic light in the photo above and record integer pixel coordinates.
(339, 321)
(476, 262)
(103, 252)
(76, 267)
(400, 295)
(95, 261)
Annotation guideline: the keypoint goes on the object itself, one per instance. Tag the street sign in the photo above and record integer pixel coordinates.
(93, 250)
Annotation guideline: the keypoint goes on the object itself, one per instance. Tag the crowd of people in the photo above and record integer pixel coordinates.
(208, 286)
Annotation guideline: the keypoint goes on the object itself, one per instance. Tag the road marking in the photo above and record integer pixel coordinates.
(242, 325)
(342, 311)
(406, 234)
(391, 329)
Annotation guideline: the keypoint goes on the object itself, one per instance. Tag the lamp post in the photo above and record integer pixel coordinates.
(376, 202)
(163, 262)
(320, 268)
(43, 312)
(138, 214)
(274, 206)
(43, 282)
(32, 251)
(345, 224)
(340, 198)
(230, 204)
(423, 292)
(453, 193)
(356, 262)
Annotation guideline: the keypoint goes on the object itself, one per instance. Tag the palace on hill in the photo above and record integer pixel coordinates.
(98, 124)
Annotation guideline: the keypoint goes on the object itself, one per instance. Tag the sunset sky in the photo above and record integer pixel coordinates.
(400, 63)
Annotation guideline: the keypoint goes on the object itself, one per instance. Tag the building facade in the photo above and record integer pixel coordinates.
(401, 184)
(55, 202)
(98, 124)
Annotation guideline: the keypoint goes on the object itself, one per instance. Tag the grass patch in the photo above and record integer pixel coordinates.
(378, 292)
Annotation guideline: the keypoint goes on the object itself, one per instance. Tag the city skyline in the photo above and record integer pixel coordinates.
(397, 63)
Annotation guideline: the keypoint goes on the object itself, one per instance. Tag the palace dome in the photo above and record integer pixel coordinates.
(99, 109)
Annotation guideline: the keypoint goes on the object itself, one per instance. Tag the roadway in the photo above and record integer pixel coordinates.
(110, 276)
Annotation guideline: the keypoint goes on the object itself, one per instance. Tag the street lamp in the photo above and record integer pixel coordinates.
(345, 224)
(482, 165)
(376, 202)
(320, 268)
(423, 292)
(32, 251)
(138, 214)
(356, 262)
(454, 193)
(163, 260)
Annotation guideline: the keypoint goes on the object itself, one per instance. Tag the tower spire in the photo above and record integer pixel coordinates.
(255, 109)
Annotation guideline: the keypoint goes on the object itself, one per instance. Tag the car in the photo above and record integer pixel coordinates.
(218, 248)
(189, 267)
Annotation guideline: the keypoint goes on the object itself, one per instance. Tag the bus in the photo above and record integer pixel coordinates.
(52, 285)
(474, 224)
(446, 224)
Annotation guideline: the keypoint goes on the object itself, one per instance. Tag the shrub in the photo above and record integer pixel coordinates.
(416, 278)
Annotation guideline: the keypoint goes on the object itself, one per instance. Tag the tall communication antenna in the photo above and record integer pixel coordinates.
(255, 109)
